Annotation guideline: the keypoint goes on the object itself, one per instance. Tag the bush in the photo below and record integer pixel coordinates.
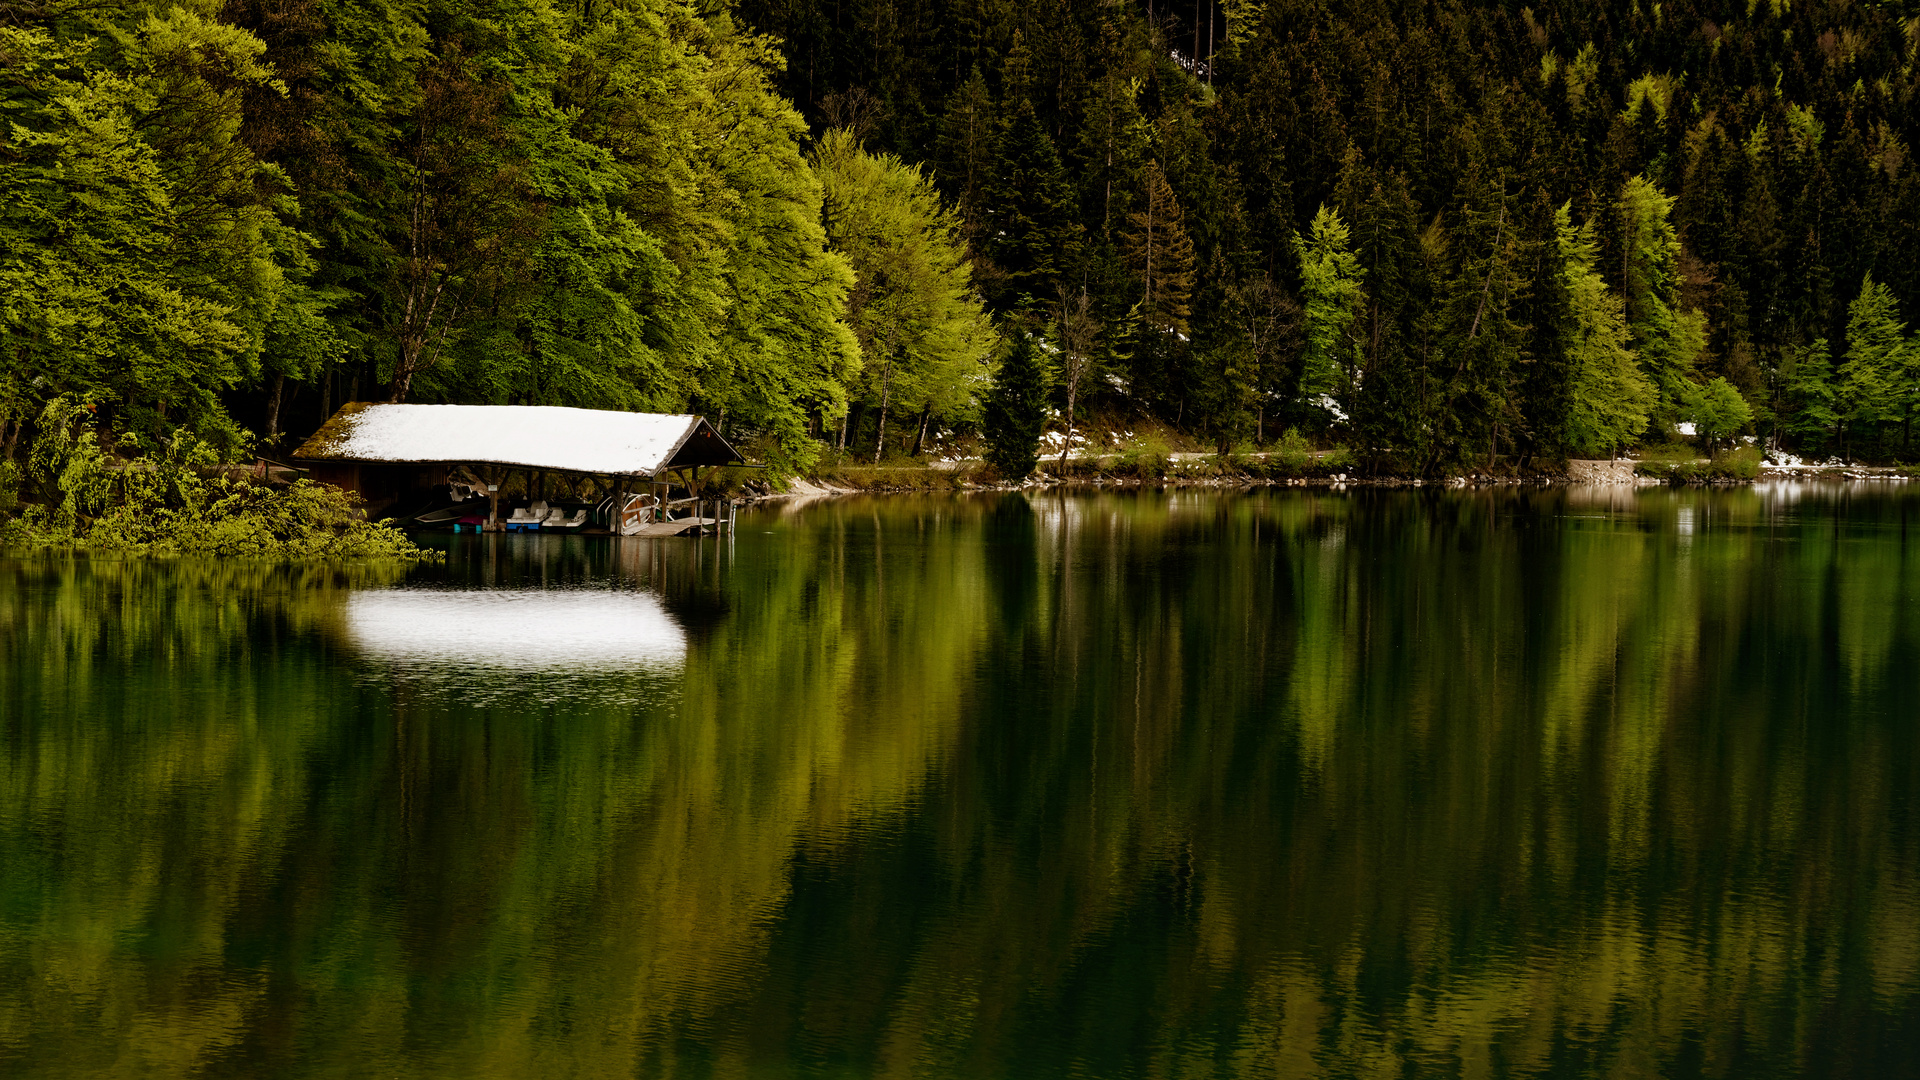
(1145, 458)
(179, 500)
(1740, 464)
(896, 477)
(1291, 457)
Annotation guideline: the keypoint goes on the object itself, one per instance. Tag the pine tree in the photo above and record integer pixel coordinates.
(1160, 253)
(1031, 232)
(1016, 408)
(1331, 291)
(1874, 378)
(1610, 396)
(1807, 385)
(1666, 339)
(968, 147)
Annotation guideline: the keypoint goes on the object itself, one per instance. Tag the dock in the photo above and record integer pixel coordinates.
(680, 527)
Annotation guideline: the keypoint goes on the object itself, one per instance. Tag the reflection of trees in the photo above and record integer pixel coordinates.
(1188, 784)
(1444, 783)
(342, 872)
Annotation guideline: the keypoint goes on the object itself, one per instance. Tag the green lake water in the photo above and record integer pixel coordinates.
(1279, 784)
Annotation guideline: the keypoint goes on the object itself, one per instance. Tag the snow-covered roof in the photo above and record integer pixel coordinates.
(525, 436)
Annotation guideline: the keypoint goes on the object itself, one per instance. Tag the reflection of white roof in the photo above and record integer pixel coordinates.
(529, 436)
(518, 629)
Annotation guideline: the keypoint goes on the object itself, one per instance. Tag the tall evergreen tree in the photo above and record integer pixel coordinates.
(1030, 225)
(1160, 254)
(1666, 339)
(1875, 384)
(1610, 395)
(1331, 292)
(1016, 408)
(1807, 393)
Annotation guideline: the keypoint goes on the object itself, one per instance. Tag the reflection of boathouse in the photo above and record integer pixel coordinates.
(395, 455)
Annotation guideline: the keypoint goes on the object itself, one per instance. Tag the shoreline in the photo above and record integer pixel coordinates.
(1579, 473)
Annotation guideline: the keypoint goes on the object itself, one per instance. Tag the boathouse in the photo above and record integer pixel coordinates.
(391, 454)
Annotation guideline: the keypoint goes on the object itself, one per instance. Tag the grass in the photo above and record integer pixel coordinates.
(903, 477)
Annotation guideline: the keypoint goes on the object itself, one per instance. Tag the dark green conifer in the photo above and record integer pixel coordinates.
(1016, 412)
(1031, 231)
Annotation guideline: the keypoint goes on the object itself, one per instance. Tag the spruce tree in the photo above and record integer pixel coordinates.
(1016, 412)
(1807, 387)
(1160, 253)
(1610, 396)
(1666, 339)
(1330, 288)
(1873, 377)
(1031, 232)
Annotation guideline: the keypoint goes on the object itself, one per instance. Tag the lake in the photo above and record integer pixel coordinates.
(1544, 783)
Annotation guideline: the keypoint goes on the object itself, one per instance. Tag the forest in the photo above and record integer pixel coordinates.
(1444, 235)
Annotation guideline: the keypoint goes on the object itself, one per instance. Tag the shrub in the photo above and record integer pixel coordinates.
(179, 500)
(1145, 458)
(1739, 464)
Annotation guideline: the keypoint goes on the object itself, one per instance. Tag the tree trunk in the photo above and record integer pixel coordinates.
(273, 409)
(1066, 441)
(880, 429)
(920, 440)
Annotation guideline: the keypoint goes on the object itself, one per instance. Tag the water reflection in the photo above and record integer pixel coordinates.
(487, 642)
(1264, 784)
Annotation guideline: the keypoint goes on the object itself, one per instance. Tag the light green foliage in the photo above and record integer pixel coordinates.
(783, 351)
(619, 217)
(923, 333)
(140, 262)
(229, 213)
(178, 499)
(1876, 379)
(1016, 408)
(1144, 457)
(1610, 396)
(1331, 294)
(1717, 410)
(1807, 384)
(1668, 340)
(1243, 18)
